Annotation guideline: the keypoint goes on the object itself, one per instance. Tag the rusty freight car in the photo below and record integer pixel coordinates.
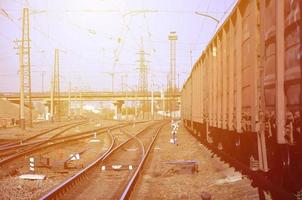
(224, 85)
(243, 96)
(281, 58)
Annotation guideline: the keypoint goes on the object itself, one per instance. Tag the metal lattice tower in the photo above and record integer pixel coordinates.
(172, 75)
(143, 77)
(172, 78)
(25, 70)
(143, 71)
(55, 89)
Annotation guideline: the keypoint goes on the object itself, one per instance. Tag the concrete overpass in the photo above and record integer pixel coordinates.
(95, 96)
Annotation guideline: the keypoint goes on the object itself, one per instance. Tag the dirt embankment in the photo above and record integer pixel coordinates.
(10, 110)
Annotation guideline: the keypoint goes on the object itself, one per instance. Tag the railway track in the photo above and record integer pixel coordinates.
(40, 134)
(53, 161)
(35, 140)
(114, 173)
(14, 152)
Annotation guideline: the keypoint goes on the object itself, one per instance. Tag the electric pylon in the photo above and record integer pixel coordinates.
(143, 77)
(25, 70)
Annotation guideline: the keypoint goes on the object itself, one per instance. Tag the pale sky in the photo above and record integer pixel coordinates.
(95, 35)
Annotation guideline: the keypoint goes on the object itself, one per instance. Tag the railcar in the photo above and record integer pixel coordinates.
(243, 96)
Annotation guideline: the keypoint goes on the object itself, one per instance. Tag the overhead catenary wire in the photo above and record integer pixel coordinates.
(157, 57)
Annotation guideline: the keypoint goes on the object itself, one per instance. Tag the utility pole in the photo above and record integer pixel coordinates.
(69, 100)
(52, 89)
(81, 104)
(162, 96)
(172, 87)
(143, 76)
(168, 84)
(152, 101)
(55, 90)
(178, 88)
(112, 81)
(135, 109)
(58, 95)
(25, 70)
(126, 107)
(122, 82)
(42, 74)
(21, 74)
(126, 94)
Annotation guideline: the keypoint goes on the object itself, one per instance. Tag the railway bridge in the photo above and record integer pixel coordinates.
(97, 96)
(118, 98)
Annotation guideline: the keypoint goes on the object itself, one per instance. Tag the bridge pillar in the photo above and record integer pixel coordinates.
(118, 109)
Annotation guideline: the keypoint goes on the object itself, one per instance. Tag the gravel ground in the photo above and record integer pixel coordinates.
(161, 180)
(17, 133)
(14, 188)
(107, 184)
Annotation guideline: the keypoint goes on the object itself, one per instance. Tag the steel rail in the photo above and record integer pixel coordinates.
(16, 148)
(39, 134)
(128, 140)
(61, 188)
(139, 141)
(49, 143)
(30, 148)
(54, 138)
(131, 184)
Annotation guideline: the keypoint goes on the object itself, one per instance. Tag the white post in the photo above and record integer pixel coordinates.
(32, 164)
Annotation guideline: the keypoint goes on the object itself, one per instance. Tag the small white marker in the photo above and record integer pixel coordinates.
(103, 168)
(32, 176)
(130, 167)
(116, 167)
(72, 157)
(32, 164)
(75, 156)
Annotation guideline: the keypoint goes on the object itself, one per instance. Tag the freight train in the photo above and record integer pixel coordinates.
(243, 96)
